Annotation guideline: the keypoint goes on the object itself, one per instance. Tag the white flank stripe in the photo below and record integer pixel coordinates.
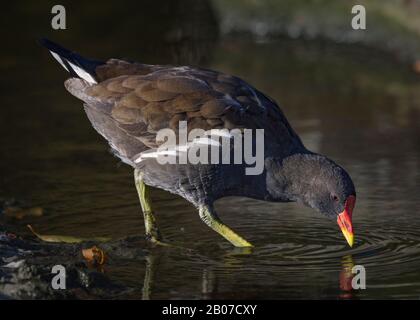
(219, 133)
(155, 154)
(175, 150)
(206, 141)
(183, 148)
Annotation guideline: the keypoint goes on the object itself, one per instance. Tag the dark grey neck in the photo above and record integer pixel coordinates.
(292, 178)
(285, 179)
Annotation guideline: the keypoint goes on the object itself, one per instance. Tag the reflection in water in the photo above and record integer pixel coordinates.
(209, 280)
(209, 283)
(148, 277)
(346, 277)
(352, 104)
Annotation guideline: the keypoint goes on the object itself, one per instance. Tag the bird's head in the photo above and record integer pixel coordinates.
(321, 184)
(331, 192)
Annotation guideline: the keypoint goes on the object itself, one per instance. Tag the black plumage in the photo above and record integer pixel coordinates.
(128, 103)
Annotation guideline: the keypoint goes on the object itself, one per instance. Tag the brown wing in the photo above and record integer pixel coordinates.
(132, 102)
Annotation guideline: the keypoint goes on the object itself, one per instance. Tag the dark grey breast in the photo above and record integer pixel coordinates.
(132, 101)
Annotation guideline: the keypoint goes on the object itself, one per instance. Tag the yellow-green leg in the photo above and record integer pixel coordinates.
(152, 231)
(209, 217)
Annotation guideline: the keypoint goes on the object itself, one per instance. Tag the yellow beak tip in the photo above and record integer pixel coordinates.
(349, 238)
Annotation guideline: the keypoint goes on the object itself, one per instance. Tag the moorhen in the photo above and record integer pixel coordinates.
(130, 103)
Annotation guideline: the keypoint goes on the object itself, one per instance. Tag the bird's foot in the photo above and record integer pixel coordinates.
(210, 218)
(241, 251)
(158, 241)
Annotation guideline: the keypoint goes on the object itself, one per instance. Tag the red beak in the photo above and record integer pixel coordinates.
(344, 220)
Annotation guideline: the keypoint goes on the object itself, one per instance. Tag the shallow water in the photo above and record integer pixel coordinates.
(356, 105)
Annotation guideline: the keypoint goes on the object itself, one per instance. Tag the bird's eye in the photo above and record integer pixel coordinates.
(335, 198)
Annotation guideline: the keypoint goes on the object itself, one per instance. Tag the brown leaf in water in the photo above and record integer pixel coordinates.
(416, 66)
(65, 239)
(94, 255)
(20, 213)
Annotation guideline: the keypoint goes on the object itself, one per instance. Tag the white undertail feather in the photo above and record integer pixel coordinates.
(60, 61)
(218, 133)
(79, 71)
(82, 73)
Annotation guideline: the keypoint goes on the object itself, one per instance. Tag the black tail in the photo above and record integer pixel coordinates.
(74, 63)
